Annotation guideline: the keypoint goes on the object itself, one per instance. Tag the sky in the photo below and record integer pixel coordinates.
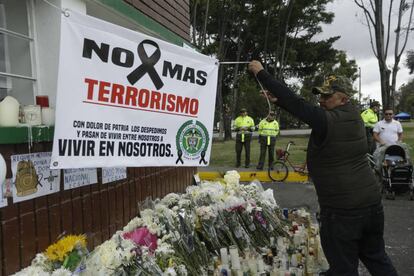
(349, 23)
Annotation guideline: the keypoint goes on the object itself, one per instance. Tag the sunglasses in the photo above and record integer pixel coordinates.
(325, 96)
(388, 113)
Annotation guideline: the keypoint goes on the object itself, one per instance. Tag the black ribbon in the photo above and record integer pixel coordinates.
(147, 65)
(179, 159)
(203, 154)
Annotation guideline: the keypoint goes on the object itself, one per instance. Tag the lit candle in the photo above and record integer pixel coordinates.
(9, 112)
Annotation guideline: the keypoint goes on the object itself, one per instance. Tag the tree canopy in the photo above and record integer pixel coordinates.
(406, 98)
(281, 34)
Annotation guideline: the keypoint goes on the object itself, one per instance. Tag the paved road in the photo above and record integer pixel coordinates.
(399, 221)
(284, 132)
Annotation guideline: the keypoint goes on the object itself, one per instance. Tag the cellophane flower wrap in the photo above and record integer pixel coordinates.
(179, 234)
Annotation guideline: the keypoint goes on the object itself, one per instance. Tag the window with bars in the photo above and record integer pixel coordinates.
(16, 51)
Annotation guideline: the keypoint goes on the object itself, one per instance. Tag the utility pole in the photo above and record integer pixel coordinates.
(359, 90)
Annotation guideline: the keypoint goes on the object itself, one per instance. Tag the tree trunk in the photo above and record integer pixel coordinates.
(285, 37)
(203, 42)
(385, 83)
(219, 103)
(227, 123)
(235, 81)
(221, 53)
(195, 22)
(381, 52)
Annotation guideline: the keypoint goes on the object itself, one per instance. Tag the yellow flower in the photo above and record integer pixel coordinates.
(171, 262)
(59, 250)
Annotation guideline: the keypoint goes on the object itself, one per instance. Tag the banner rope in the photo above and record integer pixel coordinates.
(64, 11)
(269, 106)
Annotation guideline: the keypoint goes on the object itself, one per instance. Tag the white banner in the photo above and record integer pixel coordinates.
(129, 100)
(74, 178)
(32, 177)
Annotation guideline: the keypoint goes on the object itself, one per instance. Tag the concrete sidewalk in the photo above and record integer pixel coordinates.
(283, 132)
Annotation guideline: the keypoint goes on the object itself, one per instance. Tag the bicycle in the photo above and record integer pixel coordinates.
(280, 171)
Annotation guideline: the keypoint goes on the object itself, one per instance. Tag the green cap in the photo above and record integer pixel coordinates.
(374, 103)
(335, 84)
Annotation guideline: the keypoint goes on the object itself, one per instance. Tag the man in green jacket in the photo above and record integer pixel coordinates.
(244, 125)
(370, 118)
(351, 216)
(268, 130)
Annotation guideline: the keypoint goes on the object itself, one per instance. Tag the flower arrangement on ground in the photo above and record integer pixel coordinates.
(182, 234)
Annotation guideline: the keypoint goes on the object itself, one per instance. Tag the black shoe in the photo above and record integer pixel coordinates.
(247, 166)
(259, 168)
(237, 166)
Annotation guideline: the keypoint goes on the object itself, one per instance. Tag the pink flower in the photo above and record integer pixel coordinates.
(142, 236)
(260, 219)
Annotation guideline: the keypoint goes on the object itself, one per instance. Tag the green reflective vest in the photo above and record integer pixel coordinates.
(244, 124)
(267, 128)
(369, 117)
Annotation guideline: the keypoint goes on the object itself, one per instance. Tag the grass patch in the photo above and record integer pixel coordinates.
(408, 134)
(223, 154)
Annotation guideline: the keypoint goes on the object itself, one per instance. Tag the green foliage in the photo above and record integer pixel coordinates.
(406, 98)
(251, 99)
(282, 36)
(409, 62)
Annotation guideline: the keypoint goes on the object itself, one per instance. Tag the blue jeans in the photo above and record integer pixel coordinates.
(349, 235)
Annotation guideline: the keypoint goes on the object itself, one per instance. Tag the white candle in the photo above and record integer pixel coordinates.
(224, 256)
(32, 115)
(48, 116)
(260, 265)
(297, 239)
(234, 257)
(9, 112)
(252, 266)
(3, 169)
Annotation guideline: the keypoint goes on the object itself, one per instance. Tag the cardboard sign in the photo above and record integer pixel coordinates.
(113, 174)
(74, 178)
(32, 176)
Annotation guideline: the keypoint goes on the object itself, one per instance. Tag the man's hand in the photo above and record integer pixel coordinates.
(255, 67)
(267, 94)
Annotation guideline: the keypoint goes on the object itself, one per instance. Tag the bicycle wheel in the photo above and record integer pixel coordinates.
(279, 172)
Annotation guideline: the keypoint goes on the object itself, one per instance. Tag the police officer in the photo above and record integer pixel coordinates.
(244, 125)
(370, 118)
(268, 130)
